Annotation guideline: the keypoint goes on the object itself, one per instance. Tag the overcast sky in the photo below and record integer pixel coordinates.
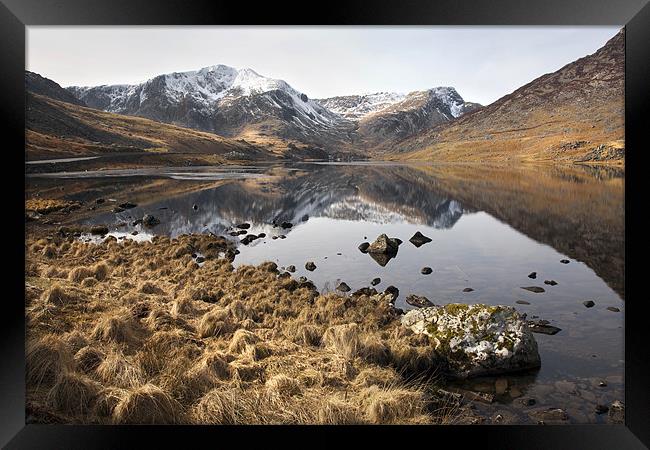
(482, 63)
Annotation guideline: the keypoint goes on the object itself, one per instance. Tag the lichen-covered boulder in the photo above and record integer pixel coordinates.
(476, 339)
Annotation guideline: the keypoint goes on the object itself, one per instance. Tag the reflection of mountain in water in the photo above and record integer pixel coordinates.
(324, 192)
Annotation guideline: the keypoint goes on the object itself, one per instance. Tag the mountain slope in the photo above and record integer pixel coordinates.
(225, 101)
(44, 86)
(573, 114)
(61, 129)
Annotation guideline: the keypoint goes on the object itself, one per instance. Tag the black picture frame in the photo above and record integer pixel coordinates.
(15, 15)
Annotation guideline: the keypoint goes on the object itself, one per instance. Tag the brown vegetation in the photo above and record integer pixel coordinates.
(155, 343)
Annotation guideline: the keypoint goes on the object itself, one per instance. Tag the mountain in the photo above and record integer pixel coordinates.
(57, 125)
(573, 114)
(226, 101)
(44, 86)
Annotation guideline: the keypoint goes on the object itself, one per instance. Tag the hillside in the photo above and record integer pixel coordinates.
(59, 129)
(573, 114)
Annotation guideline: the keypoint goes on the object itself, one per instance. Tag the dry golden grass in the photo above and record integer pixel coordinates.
(160, 343)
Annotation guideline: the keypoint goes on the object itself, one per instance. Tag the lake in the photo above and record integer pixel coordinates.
(490, 228)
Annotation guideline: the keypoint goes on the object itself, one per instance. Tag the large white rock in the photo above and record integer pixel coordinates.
(477, 339)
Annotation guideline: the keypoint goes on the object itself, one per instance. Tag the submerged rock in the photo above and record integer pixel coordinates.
(535, 289)
(418, 239)
(384, 245)
(382, 258)
(476, 339)
(543, 327)
(418, 301)
(522, 302)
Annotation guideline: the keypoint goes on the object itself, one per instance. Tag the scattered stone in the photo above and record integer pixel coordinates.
(500, 386)
(617, 412)
(419, 239)
(343, 287)
(550, 282)
(200, 259)
(532, 275)
(418, 301)
(468, 289)
(375, 281)
(291, 268)
(310, 266)
(384, 245)
(363, 248)
(589, 303)
(549, 415)
(117, 210)
(99, 201)
(476, 340)
(286, 225)
(426, 270)
(365, 291)
(150, 221)
(99, 230)
(613, 309)
(535, 289)
(127, 205)
(522, 302)
(134, 232)
(601, 409)
(392, 290)
(339, 254)
(305, 218)
(527, 401)
(602, 383)
(543, 327)
(195, 207)
(565, 261)
(302, 279)
(243, 226)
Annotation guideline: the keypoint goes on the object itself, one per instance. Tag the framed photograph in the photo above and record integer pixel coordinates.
(415, 214)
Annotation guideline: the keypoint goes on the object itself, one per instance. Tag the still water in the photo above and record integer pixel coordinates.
(490, 228)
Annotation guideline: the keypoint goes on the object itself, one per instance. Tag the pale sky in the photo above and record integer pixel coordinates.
(482, 63)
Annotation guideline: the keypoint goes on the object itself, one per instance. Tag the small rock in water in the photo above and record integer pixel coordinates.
(134, 232)
(601, 409)
(426, 270)
(375, 281)
(200, 259)
(589, 303)
(117, 210)
(392, 290)
(243, 226)
(527, 401)
(501, 385)
(261, 235)
(291, 268)
(274, 237)
(532, 275)
(365, 291)
(613, 309)
(286, 225)
(363, 248)
(234, 233)
(339, 254)
(195, 207)
(535, 289)
(617, 412)
(310, 266)
(565, 261)
(150, 221)
(343, 287)
(418, 239)
(602, 383)
(550, 282)
(282, 236)
(99, 230)
(99, 201)
(522, 302)
(127, 205)
(543, 327)
(305, 218)
(418, 301)
(384, 245)
(468, 289)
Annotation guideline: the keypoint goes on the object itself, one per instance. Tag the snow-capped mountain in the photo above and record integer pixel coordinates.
(267, 112)
(223, 100)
